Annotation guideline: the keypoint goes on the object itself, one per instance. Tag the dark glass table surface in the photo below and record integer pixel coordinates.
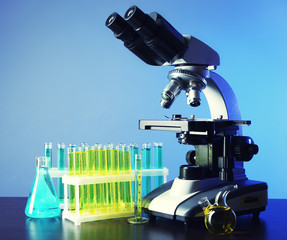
(272, 224)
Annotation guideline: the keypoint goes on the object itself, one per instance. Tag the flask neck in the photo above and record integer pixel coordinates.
(42, 162)
(220, 199)
(204, 203)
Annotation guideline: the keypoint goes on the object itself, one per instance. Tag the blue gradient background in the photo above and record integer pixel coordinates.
(65, 78)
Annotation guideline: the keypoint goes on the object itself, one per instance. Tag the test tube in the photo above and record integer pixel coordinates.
(48, 152)
(138, 219)
(111, 186)
(91, 172)
(121, 172)
(127, 170)
(104, 198)
(84, 188)
(79, 173)
(71, 171)
(146, 156)
(61, 167)
(134, 149)
(158, 163)
(115, 171)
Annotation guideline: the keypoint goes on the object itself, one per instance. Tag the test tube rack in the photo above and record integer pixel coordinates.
(78, 216)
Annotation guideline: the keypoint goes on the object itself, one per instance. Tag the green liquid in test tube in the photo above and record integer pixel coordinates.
(104, 198)
(108, 154)
(61, 167)
(84, 188)
(48, 152)
(125, 168)
(146, 156)
(158, 163)
(115, 171)
(99, 186)
(124, 157)
(138, 219)
(91, 172)
(121, 172)
(71, 171)
(79, 173)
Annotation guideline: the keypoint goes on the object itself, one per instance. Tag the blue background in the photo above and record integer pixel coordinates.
(65, 78)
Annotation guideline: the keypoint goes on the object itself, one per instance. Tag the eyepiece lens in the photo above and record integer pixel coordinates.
(116, 23)
(135, 16)
(130, 12)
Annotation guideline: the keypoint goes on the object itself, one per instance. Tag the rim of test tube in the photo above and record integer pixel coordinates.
(71, 149)
(61, 145)
(158, 144)
(48, 145)
(146, 146)
(91, 147)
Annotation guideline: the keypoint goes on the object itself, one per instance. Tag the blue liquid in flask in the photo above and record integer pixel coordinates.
(43, 201)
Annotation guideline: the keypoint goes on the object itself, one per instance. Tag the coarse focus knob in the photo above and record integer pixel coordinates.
(243, 148)
(190, 157)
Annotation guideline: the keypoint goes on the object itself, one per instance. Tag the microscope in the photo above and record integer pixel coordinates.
(220, 147)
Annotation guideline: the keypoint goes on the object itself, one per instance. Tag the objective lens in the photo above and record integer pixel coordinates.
(193, 97)
(170, 92)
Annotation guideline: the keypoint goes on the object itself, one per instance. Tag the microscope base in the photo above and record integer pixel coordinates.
(173, 201)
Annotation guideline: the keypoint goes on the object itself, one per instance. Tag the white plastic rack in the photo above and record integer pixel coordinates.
(79, 217)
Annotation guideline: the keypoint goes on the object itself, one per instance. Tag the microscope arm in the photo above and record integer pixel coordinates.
(221, 99)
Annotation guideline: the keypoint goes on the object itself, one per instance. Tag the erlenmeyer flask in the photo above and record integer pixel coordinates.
(219, 218)
(43, 201)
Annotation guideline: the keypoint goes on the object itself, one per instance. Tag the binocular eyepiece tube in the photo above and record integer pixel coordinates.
(150, 37)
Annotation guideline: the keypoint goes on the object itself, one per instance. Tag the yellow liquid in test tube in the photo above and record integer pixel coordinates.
(84, 188)
(128, 185)
(91, 172)
(71, 169)
(116, 185)
(79, 173)
(103, 186)
(111, 186)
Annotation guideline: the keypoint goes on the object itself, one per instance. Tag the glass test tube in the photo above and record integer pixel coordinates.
(125, 187)
(84, 188)
(158, 163)
(71, 170)
(134, 149)
(97, 187)
(48, 152)
(146, 156)
(91, 172)
(128, 185)
(61, 167)
(121, 172)
(111, 186)
(115, 171)
(79, 173)
(104, 198)
(138, 219)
